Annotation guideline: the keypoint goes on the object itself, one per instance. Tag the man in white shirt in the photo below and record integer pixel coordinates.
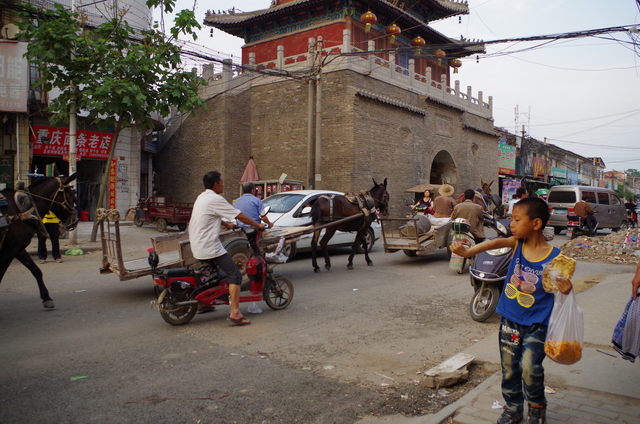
(521, 193)
(208, 213)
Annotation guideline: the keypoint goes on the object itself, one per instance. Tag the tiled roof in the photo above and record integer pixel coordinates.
(390, 101)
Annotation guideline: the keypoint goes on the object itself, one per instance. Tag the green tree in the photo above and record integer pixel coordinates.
(119, 75)
(633, 173)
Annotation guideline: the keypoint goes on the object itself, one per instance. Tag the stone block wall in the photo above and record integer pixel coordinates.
(393, 135)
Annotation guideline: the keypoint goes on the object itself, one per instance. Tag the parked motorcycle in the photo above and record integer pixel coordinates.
(182, 290)
(461, 233)
(488, 272)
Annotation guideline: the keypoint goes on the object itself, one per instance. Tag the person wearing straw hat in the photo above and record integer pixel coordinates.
(444, 204)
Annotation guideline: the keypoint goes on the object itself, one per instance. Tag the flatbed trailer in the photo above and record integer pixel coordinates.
(402, 234)
(173, 250)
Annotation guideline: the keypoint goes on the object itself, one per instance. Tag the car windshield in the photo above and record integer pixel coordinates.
(281, 203)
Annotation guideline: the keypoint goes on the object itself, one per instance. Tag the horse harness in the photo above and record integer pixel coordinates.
(28, 212)
(364, 201)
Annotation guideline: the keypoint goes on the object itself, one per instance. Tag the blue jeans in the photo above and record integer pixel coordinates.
(521, 355)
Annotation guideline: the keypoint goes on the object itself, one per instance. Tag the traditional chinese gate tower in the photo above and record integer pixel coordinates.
(335, 93)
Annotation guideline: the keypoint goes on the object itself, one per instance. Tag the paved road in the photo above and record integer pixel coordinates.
(104, 356)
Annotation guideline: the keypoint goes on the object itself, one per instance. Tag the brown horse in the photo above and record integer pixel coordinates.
(328, 209)
(47, 194)
(486, 188)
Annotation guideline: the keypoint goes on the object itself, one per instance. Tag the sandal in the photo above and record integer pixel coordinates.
(240, 321)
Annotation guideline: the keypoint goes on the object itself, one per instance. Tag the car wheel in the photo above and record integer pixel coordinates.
(370, 238)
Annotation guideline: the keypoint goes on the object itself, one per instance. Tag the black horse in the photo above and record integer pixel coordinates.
(332, 208)
(46, 194)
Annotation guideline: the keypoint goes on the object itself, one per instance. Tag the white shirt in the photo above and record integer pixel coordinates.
(204, 227)
(511, 203)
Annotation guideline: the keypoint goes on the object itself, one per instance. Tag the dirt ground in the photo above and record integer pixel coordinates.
(414, 399)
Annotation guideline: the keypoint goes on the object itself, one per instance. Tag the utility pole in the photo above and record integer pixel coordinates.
(318, 167)
(73, 236)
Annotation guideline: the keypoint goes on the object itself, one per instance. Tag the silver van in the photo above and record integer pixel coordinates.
(609, 210)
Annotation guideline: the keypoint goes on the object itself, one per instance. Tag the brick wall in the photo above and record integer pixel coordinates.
(363, 139)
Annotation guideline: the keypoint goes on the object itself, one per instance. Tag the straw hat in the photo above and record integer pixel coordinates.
(446, 190)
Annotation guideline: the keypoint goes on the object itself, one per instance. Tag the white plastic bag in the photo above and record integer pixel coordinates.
(565, 337)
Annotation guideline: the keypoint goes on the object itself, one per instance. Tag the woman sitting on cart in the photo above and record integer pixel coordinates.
(424, 205)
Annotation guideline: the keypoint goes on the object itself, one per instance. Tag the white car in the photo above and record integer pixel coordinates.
(291, 209)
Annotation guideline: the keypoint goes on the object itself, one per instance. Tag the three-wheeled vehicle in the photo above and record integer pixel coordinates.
(163, 211)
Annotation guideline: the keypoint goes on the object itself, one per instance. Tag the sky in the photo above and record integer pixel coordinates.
(582, 94)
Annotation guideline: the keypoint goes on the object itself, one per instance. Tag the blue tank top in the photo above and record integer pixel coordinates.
(524, 300)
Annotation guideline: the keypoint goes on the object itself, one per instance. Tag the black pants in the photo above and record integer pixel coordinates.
(591, 222)
(54, 235)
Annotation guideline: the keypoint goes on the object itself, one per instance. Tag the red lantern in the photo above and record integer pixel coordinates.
(368, 19)
(455, 64)
(393, 30)
(418, 42)
(439, 54)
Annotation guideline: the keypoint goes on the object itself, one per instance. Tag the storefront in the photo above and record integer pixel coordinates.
(50, 148)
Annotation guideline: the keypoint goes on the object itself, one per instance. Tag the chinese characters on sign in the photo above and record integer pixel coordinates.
(113, 177)
(14, 83)
(541, 167)
(506, 159)
(89, 144)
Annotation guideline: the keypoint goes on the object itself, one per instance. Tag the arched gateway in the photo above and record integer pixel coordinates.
(443, 169)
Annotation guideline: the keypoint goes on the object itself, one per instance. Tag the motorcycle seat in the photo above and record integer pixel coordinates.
(177, 272)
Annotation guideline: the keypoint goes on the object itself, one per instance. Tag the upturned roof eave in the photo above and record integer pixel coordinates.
(236, 22)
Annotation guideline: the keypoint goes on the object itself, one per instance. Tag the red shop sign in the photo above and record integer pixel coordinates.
(89, 144)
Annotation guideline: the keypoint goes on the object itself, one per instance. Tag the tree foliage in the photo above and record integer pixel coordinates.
(117, 74)
(633, 173)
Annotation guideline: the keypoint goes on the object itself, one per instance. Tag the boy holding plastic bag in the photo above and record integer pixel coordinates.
(525, 308)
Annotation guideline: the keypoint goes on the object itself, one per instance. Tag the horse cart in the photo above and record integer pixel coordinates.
(408, 235)
(174, 250)
(163, 211)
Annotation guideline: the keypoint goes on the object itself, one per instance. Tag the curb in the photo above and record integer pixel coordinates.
(451, 409)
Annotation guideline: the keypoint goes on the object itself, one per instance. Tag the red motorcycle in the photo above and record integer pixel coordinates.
(181, 289)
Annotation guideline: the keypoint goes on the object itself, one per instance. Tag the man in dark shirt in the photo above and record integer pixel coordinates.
(472, 212)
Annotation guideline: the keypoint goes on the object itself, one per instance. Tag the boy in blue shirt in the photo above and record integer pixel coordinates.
(525, 308)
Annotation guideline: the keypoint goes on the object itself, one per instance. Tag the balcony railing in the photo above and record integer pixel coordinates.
(346, 57)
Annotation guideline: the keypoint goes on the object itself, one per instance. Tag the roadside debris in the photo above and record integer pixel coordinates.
(450, 372)
(622, 247)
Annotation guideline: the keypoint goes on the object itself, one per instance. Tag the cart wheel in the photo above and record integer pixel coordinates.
(161, 224)
(483, 303)
(182, 227)
(137, 221)
(177, 315)
(410, 253)
(277, 292)
(289, 250)
(240, 252)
